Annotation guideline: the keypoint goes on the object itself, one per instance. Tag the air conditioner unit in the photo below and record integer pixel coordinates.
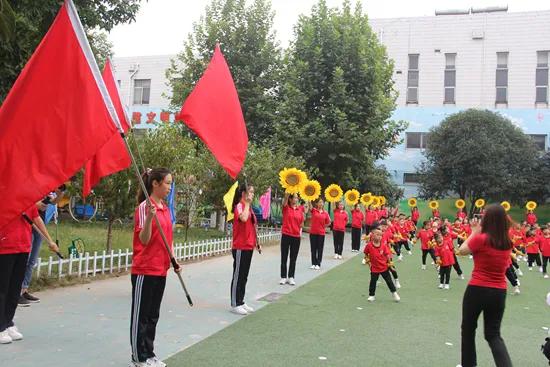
(478, 35)
(133, 68)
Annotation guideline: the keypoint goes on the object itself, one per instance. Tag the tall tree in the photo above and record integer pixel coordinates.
(337, 96)
(247, 40)
(34, 17)
(478, 154)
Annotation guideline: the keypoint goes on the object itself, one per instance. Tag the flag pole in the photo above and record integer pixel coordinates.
(29, 220)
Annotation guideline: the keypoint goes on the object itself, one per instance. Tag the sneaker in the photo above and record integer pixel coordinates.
(400, 258)
(440, 286)
(433, 263)
(239, 310)
(530, 269)
(29, 297)
(423, 267)
(247, 308)
(397, 284)
(470, 257)
(516, 290)
(158, 362)
(371, 298)
(335, 256)
(340, 257)
(520, 273)
(5, 338)
(14, 333)
(461, 276)
(545, 276)
(517, 280)
(396, 297)
(409, 252)
(23, 302)
(291, 281)
(282, 281)
(312, 267)
(540, 269)
(447, 286)
(317, 267)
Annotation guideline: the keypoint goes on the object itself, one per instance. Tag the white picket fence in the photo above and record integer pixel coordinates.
(90, 265)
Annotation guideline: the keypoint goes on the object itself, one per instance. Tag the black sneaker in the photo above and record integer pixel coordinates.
(23, 302)
(29, 297)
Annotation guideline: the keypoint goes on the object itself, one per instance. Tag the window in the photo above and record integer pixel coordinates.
(411, 178)
(450, 78)
(541, 78)
(412, 79)
(540, 140)
(416, 140)
(502, 78)
(142, 91)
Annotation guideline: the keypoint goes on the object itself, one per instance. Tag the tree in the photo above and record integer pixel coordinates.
(478, 154)
(337, 96)
(34, 17)
(7, 21)
(247, 40)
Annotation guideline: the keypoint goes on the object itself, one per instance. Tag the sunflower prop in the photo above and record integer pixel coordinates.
(412, 202)
(352, 197)
(506, 205)
(480, 203)
(433, 205)
(366, 199)
(460, 204)
(382, 200)
(531, 205)
(333, 193)
(310, 190)
(292, 179)
(375, 201)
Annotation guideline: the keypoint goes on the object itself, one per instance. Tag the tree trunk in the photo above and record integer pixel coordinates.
(109, 245)
(218, 219)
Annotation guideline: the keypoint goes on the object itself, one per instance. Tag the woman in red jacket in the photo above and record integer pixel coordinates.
(320, 220)
(544, 243)
(293, 218)
(357, 219)
(486, 291)
(371, 217)
(340, 219)
(150, 264)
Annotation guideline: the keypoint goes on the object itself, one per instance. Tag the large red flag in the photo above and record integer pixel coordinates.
(213, 112)
(113, 157)
(57, 115)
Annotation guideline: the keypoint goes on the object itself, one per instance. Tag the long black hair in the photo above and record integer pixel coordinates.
(495, 224)
(156, 174)
(239, 195)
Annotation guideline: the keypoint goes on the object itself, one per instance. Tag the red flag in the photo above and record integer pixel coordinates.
(213, 112)
(55, 118)
(113, 157)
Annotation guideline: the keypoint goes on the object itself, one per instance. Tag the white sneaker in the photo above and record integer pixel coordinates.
(155, 362)
(516, 290)
(409, 252)
(340, 257)
(433, 263)
(440, 286)
(461, 276)
(545, 276)
(530, 269)
(312, 267)
(397, 284)
(282, 281)
(371, 298)
(517, 280)
(335, 256)
(447, 286)
(471, 257)
(400, 258)
(317, 267)
(540, 269)
(291, 281)
(396, 297)
(247, 308)
(423, 267)
(5, 338)
(239, 310)
(520, 273)
(14, 333)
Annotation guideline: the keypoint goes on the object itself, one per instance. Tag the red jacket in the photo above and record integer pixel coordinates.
(379, 257)
(445, 254)
(340, 220)
(293, 217)
(415, 215)
(544, 244)
(532, 245)
(370, 217)
(357, 217)
(319, 221)
(244, 233)
(425, 236)
(531, 218)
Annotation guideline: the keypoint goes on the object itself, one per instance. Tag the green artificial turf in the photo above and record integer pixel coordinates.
(322, 319)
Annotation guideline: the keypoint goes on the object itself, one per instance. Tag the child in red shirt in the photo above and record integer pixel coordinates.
(448, 238)
(377, 256)
(544, 244)
(291, 234)
(532, 249)
(320, 220)
(425, 236)
(357, 218)
(445, 259)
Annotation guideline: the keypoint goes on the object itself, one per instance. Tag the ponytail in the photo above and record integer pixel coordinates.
(149, 176)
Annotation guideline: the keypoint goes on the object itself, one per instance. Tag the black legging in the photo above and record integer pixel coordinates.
(533, 258)
(374, 279)
(425, 253)
(456, 266)
(511, 275)
(545, 263)
(317, 242)
(492, 302)
(355, 238)
(444, 274)
(398, 247)
(338, 237)
(289, 244)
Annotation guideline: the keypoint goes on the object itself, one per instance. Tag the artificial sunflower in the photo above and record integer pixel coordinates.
(412, 202)
(292, 179)
(352, 197)
(480, 203)
(531, 205)
(333, 193)
(460, 204)
(375, 201)
(366, 199)
(433, 204)
(310, 190)
(506, 205)
(382, 200)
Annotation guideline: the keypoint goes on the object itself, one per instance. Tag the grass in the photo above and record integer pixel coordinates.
(94, 236)
(448, 210)
(323, 319)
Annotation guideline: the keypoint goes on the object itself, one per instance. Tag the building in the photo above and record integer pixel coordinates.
(481, 58)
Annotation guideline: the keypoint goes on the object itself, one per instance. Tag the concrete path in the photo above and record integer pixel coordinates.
(88, 325)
